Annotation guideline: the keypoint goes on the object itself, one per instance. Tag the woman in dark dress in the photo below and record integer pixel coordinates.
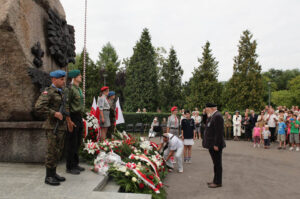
(247, 127)
(188, 134)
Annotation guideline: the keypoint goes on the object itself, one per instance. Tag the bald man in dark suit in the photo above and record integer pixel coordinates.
(214, 142)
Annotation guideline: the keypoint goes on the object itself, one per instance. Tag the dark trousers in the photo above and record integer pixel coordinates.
(227, 131)
(272, 130)
(216, 157)
(248, 133)
(73, 141)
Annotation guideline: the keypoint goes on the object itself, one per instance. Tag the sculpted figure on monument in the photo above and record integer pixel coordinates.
(38, 53)
(61, 40)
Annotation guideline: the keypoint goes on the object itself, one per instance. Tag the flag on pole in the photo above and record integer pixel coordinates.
(95, 109)
(119, 114)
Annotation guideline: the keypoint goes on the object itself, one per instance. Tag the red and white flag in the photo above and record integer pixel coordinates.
(119, 114)
(95, 109)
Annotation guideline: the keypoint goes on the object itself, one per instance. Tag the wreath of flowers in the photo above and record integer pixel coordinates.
(134, 163)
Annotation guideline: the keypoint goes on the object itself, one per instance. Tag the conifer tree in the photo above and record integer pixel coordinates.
(109, 61)
(170, 83)
(141, 89)
(204, 84)
(245, 88)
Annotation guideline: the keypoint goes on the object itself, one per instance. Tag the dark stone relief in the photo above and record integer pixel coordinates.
(61, 40)
(38, 53)
(40, 78)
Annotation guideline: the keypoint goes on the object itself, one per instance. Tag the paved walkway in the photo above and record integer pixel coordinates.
(247, 173)
(18, 181)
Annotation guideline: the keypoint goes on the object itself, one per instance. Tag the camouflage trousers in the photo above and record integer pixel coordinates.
(54, 148)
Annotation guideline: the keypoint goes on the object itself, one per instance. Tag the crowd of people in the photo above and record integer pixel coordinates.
(269, 126)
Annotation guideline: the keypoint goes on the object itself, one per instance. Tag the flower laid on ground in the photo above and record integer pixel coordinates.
(134, 163)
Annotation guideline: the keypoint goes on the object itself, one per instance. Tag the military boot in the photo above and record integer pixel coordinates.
(50, 177)
(57, 177)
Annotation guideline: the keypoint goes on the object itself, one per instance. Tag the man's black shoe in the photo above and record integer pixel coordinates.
(58, 177)
(73, 171)
(51, 181)
(79, 168)
(50, 177)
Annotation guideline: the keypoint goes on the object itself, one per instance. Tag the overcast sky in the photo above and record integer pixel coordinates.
(188, 24)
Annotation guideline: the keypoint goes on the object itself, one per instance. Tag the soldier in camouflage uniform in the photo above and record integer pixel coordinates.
(48, 105)
(112, 114)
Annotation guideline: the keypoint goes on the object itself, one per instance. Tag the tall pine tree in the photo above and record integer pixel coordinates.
(109, 61)
(170, 83)
(245, 88)
(141, 76)
(204, 85)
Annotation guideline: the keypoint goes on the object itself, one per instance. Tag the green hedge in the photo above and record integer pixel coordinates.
(145, 118)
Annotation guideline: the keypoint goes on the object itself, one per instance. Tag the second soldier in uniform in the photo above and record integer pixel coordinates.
(73, 138)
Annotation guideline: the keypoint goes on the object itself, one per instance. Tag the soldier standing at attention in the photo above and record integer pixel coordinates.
(48, 105)
(73, 138)
(173, 122)
(112, 114)
(104, 112)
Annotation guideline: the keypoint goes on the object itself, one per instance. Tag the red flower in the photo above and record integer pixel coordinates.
(141, 185)
(158, 186)
(97, 152)
(151, 177)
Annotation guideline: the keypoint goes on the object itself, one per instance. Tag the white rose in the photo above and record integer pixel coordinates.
(133, 179)
(135, 151)
(148, 164)
(139, 164)
(137, 157)
(105, 148)
(127, 173)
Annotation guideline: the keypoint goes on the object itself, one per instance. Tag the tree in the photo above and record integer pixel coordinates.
(109, 61)
(204, 84)
(294, 88)
(282, 98)
(281, 77)
(141, 76)
(245, 89)
(170, 83)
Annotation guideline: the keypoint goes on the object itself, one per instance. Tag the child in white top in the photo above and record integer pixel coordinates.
(266, 134)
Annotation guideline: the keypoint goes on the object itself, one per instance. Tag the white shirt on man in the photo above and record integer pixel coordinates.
(174, 142)
(271, 122)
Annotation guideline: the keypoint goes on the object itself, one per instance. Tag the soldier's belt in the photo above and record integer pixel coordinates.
(173, 128)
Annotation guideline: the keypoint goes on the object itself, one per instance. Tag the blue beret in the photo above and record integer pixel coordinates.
(111, 93)
(58, 74)
(73, 73)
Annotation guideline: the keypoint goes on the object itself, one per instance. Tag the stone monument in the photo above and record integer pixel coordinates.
(34, 40)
